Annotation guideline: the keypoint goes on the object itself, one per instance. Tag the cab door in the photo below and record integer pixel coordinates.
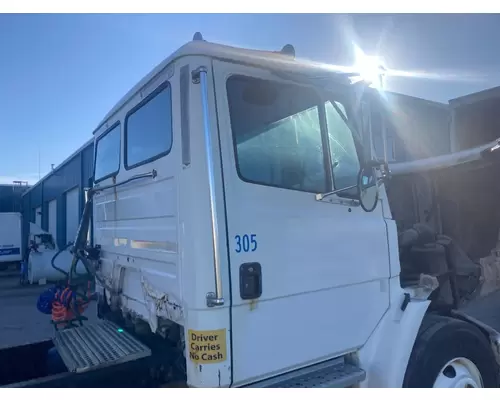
(309, 278)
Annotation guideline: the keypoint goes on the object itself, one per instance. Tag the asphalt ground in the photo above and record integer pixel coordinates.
(20, 320)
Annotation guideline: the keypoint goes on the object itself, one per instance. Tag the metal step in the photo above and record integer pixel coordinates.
(330, 374)
(97, 345)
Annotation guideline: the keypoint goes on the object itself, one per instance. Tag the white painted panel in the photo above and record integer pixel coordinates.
(72, 214)
(38, 216)
(53, 219)
(311, 253)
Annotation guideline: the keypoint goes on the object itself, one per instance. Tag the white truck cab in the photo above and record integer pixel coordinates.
(228, 214)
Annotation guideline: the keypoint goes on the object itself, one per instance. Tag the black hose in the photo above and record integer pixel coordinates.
(94, 273)
(56, 255)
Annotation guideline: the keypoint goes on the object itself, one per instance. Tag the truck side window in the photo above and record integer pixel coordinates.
(148, 129)
(107, 155)
(342, 148)
(277, 135)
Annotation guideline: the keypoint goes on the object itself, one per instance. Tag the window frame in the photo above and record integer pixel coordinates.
(317, 104)
(354, 126)
(356, 138)
(164, 86)
(106, 132)
(324, 132)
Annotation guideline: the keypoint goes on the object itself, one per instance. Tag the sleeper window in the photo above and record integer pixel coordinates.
(107, 156)
(148, 131)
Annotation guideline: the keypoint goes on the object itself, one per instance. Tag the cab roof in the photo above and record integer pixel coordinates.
(199, 47)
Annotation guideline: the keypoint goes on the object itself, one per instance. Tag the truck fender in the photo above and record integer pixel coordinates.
(491, 334)
(386, 353)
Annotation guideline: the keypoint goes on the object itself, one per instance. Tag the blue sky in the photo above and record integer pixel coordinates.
(60, 74)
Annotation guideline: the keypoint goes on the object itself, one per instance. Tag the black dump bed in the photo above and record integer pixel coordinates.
(462, 203)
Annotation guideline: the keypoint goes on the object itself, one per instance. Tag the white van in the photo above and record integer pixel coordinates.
(10, 239)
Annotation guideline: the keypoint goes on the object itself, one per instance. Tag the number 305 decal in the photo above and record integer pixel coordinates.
(246, 243)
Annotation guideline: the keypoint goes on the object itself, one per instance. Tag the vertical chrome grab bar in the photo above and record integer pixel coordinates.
(199, 76)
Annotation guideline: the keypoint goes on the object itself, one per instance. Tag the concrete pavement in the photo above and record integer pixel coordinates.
(20, 320)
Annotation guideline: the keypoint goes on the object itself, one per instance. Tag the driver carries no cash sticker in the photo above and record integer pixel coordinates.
(207, 347)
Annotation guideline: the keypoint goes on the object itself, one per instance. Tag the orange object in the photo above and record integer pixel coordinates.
(65, 303)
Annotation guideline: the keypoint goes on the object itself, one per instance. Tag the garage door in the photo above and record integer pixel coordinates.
(53, 219)
(72, 214)
(38, 217)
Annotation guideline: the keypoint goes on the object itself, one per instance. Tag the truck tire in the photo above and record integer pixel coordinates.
(451, 353)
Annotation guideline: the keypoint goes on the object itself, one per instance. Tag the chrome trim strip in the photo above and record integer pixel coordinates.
(200, 76)
(185, 127)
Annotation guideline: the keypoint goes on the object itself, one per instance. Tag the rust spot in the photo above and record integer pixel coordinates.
(115, 193)
(253, 304)
(163, 304)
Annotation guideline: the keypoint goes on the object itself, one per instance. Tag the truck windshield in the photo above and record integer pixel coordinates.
(286, 136)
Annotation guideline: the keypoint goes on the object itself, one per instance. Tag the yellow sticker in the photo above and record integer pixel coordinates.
(207, 347)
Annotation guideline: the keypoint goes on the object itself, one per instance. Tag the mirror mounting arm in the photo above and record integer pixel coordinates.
(321, 196)
(383, 166)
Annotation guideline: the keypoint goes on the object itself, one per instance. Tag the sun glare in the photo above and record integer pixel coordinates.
(370, 68)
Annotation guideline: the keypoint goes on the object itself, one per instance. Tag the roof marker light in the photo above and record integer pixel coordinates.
(197, 36)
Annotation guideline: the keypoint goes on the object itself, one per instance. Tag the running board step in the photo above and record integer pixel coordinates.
(330, 374)
(97, 345)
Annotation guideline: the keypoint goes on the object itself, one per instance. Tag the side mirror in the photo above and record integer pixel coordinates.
(368, 188)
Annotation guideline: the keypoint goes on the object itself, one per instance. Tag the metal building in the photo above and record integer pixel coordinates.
(11, 196)
(55, 203)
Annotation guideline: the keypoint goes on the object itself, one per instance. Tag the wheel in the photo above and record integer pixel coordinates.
(450, 353)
